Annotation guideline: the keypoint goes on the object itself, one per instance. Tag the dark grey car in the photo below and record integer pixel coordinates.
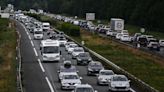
(94, 67)
(83, 58)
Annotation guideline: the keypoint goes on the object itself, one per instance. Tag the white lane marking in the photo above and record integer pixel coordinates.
(41, 66)
(32, 43)
(49, 84)
(35, 52)
(29, 37)
(132, 90)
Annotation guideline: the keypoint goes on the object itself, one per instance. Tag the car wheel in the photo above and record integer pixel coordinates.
(98, 83)
(78, 63)
(61, 88)
(88, 73)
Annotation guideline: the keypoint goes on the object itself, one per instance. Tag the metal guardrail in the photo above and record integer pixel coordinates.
(19, 75)
(146, 87)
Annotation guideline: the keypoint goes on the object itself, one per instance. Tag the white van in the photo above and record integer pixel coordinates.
(38, 33)
(50, 50)
(46, 26)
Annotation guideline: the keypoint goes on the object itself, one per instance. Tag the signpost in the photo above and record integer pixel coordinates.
(90, 16)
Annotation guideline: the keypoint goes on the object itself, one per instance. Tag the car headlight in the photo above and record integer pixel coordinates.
(113, 85)
(79, 59)
(89, 69)
(58, 56)
(127, 85)
(45, 57)
(100, 78)
(89, 59)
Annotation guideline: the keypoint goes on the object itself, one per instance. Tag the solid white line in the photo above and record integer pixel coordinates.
(49, 84)
(132, 90)
(41, 66)
(35, 52)
(32, 43)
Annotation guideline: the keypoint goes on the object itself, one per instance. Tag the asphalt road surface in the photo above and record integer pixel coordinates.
(43, 77)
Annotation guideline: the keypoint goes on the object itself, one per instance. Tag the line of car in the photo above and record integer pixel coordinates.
(138, 39)
(67, 73)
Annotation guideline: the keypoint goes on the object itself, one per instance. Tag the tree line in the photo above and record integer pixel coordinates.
(144, 13)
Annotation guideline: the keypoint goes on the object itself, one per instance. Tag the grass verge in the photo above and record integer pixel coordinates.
(7, 57)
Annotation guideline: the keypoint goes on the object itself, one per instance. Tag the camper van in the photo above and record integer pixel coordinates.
(50, 50)
(46, 26)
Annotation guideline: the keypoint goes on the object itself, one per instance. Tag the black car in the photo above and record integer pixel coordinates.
(83, 58)
(94, 67)
(142, 41)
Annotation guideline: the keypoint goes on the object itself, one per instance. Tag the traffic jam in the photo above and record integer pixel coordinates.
(50, 43)
(117, 32)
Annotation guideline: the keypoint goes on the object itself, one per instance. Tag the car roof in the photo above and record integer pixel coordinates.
(106, 70)
(84, 86)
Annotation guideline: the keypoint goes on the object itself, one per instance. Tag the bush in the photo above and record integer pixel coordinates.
(34, 16)
(70, 29)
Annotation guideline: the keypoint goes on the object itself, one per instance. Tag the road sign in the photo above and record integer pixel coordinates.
(142, 30)
(90, 16)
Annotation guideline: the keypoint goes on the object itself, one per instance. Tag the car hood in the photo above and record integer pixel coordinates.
(121, 83)
(105, 77)
(71, 81)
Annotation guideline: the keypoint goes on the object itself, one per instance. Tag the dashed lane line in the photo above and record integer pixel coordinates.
(49, 84)
(36, 54)
(41, 66)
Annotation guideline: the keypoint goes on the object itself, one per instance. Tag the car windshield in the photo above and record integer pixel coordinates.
(38, 32)
(73, 46)
(84, 90)
(70, 77)
(119, 78)
(51, 49)
(107, 73)
(84, 55)
(68, 70)
(78, 50)
(95, 65)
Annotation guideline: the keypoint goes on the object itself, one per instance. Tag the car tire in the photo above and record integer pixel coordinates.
(98, 83)
(61, 87)
(88, 73)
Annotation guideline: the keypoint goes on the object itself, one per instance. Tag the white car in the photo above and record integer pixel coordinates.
(76, 51)
(70, 80)
(63, 70)
(38, 33)
(125, 38)
(84, 88)
(161, 42)
(67, 44)
(104, 77)
(119, 83)
(71, 48)
(62, 41)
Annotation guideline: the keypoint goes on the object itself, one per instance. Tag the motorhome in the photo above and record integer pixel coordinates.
(50, 50)
(46, 26)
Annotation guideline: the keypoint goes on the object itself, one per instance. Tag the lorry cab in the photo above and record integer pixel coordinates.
(50, 50)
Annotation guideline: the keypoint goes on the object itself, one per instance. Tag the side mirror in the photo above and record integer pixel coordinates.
(77, 71)
(58, 71)
(80, 78)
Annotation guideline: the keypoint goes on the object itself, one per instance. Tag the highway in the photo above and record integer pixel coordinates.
(43, 77)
